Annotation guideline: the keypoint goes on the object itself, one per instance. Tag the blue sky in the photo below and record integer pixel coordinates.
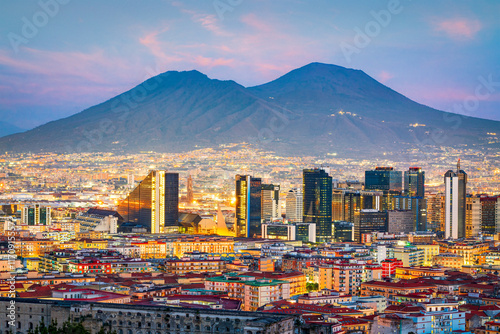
(85, 52)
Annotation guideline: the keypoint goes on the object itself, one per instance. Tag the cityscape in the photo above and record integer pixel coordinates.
(274, 194)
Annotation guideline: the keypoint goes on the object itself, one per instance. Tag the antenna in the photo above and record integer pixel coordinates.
(458, 166)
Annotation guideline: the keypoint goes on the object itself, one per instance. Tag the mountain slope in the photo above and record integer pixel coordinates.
(336, 96)
(174, 111)
(8, 129)
(314, 110)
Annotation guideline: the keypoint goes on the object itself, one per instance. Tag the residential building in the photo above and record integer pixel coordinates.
(389, 266)
(253, 292)
(343, 277)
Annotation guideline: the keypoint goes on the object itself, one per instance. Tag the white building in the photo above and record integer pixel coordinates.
(294, 200)
(271, 204)
(455, 203)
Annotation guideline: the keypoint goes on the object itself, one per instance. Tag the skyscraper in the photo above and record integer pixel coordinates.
(248, 206)
(271, 204)
(154, 203)
(435, 211)
(317, 203)
(417, 205)
(490, 209)
(414, 180)
(455, 193)
(383, 178)
(369, 221)
(294, 205)
(473, 215)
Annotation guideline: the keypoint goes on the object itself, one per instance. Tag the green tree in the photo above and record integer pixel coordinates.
(312, 287)
(68, 327)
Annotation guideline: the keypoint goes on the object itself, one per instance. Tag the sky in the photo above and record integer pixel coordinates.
(58, 57)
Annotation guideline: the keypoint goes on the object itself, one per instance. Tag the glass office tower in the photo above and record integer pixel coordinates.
(248, 206)
(384, 178)
(414, 182)
(154, 203)
(317, 202)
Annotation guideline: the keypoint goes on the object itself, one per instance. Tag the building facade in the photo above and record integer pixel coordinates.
(154, 203)
(455, 193)
(317, 202)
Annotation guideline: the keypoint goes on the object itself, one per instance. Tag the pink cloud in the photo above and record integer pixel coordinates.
(212, 62)
(253, 21)
(209, 22)
(459, 28)
(384, 76)
(157, 47)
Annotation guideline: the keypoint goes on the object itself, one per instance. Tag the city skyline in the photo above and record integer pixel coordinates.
(250, 167)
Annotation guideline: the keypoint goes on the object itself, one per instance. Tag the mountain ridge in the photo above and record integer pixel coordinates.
(315, 109)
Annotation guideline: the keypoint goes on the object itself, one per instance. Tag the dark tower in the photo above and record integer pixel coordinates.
(317, 201)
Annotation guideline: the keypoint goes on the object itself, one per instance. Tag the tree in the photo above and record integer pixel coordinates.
(106, 331)
(68, 327)
(312, 287)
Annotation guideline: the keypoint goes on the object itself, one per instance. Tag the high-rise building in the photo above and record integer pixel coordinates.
(435, 211)
(400, 221)
(154, 203)
(294, 205)
(370, 221)
(189, 186)
(271, 204)
(383, 178)
(418, 207)
(490, 210)
(473, 217)
(248, 206)
(317, 202)
(414, 188)
(343, 231)
(455, 193)
(414, 179)
(35, 215)
(346, 203)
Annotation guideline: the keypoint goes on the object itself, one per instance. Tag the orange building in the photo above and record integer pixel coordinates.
(203, 245)
(152, 249)
(389, 289)
(33, 247)
(342, 277)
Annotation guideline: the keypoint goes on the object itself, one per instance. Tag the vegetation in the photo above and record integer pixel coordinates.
(312, 287)
(68, 327)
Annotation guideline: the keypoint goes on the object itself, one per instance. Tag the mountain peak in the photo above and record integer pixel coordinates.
(315, 109)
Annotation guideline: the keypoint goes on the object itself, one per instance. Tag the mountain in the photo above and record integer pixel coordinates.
(8, 129)
(314, 110)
